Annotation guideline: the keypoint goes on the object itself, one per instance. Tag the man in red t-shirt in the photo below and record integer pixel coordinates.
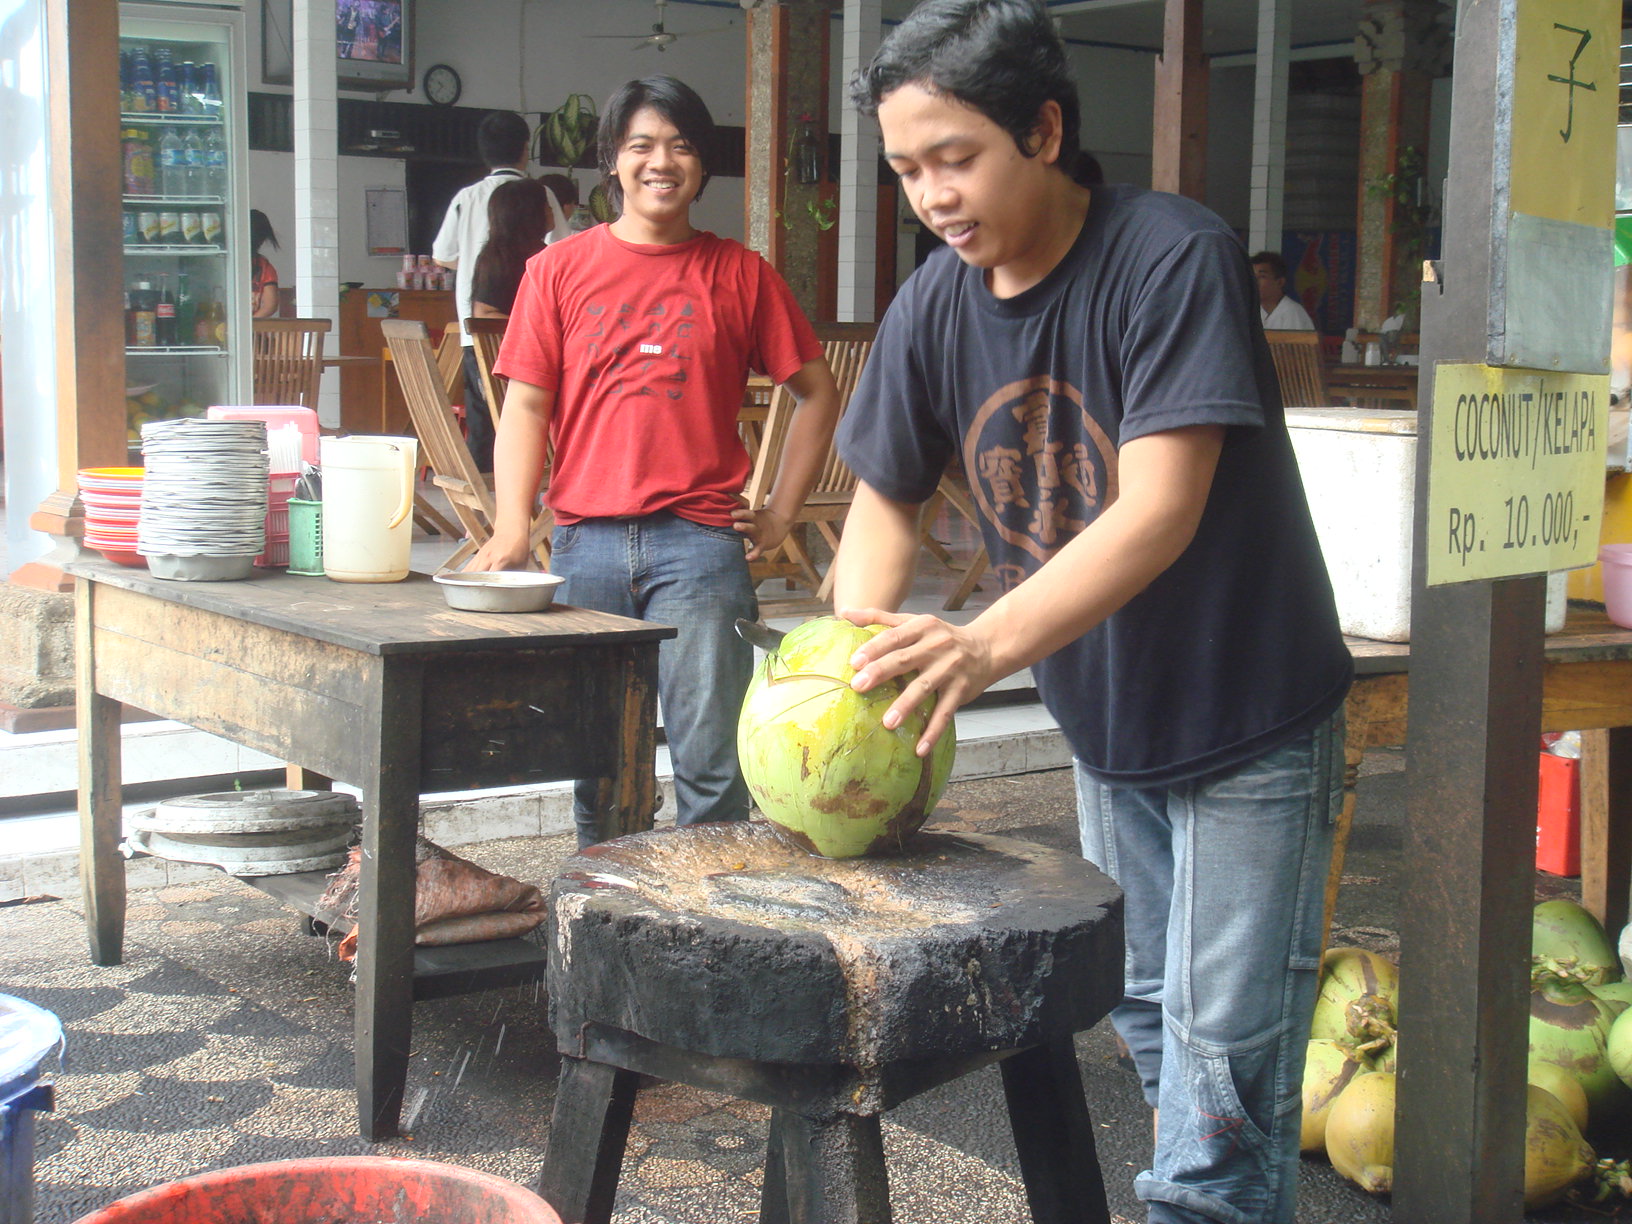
(629, 350)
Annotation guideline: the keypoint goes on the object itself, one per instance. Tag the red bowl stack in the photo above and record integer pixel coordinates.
(112, 498)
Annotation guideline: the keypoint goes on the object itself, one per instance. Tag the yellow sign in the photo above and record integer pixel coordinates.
(1566, 90)
(1516, 472)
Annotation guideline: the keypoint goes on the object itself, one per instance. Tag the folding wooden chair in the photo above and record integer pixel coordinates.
(486, 335)
(424, 388)
(1299, 367)
(287, 360)
(846, 346)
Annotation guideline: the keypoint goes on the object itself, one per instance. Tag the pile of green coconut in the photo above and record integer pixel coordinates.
(1580, 1064)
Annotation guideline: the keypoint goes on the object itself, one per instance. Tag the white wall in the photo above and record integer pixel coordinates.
(529, 55)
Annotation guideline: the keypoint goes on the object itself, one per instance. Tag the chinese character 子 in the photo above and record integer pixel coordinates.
(1569, 81)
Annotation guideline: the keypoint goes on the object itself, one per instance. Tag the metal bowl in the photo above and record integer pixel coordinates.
(499, 591)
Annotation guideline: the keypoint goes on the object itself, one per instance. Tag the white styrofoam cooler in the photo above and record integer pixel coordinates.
(1359, 471)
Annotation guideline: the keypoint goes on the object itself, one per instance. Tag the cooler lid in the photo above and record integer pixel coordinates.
(1401, 421)
(28, 1036)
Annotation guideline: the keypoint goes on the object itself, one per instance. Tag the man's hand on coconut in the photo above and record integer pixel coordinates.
(951, 661)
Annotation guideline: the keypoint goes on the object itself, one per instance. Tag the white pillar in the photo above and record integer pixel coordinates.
(1269, 125)
(858, 172)
(317, 182)
(27, 297)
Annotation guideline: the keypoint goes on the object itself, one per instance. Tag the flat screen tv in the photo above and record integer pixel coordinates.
(373, 43)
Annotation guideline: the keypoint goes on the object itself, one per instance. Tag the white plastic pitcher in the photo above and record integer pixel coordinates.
(368, 497)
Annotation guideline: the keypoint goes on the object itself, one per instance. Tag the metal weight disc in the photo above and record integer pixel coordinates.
(253, 811)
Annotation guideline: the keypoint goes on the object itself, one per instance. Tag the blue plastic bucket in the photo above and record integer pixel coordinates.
(30, 1037)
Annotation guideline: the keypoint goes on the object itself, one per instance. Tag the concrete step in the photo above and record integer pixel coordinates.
(39, 852)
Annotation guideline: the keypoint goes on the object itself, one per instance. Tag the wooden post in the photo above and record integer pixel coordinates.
(1179, 146)
(787, 79)
(86, 181)
(1401, 47)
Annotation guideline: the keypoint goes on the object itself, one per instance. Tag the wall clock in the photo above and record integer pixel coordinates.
(442, 85)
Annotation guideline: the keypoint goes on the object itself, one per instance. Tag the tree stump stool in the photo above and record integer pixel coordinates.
(724, 957)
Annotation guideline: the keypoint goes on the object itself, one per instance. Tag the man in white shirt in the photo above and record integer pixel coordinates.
(501, 140)
(1278, 311)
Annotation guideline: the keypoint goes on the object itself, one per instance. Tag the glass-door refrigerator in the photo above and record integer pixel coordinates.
(184, 136)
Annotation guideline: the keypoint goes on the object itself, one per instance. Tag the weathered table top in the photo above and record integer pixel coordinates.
(731, 941)
(379, 618)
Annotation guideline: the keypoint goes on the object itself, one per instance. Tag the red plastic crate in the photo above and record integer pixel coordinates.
(1558, 816)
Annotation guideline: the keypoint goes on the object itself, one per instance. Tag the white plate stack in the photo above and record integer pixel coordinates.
(204, 498)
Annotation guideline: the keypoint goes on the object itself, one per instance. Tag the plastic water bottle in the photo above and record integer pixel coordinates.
(215, 164)
(198, 168)
(172, 159)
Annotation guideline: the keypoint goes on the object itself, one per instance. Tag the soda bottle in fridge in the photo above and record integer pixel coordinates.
(164, 316)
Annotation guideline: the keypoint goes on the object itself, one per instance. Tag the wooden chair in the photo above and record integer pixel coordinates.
(953, 493)
(486, 336)
(424, 388)
(847, 347)
(1299, 367)
(288, 360)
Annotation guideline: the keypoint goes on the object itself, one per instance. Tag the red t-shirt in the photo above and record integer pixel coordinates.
(648, 350)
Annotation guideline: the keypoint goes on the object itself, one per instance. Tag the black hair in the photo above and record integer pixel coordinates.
(565, 190)
(675, 101)
(1002, 58)
(1277, 265)
(518, 217)
(501, 138)
(260, 232)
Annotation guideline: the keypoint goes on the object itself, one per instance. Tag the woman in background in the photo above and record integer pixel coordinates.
(263, 277)
(518, 217)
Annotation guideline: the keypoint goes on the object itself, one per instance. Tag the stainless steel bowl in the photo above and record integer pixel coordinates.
(499, 591)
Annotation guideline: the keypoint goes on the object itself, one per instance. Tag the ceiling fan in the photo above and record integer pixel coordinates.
(660, 37)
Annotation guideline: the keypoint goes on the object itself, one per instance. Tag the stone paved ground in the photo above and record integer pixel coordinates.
(225, 1039)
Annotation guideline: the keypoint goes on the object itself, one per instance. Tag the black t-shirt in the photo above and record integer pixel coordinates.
(495, 284)
(1150, 323)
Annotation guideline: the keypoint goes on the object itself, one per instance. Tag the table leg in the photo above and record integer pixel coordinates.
(1606, 824)
(101, 868)
(385, 937)
(1053, 1134)
(835, 1169)
(626, 801)
(298, 777)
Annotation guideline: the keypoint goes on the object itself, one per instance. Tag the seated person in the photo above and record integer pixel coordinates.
(1278, 311)
(518, 217)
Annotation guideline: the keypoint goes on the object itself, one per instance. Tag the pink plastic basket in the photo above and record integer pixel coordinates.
(1615, 566)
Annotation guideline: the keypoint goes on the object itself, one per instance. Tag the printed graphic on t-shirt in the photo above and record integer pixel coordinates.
(1032, 476)
(633, 352)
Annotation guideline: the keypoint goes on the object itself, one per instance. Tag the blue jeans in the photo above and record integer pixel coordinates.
(665, 568)
(1224, 881)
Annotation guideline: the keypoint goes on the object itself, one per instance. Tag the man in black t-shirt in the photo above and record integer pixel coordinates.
(1094, 357)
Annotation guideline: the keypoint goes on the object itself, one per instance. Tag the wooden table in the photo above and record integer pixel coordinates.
(1586, 687)
(1378, 386)
(384, 687)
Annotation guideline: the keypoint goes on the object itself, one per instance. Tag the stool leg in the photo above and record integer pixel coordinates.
(1054, 1136)
(773, 1193)
(834, 1169)
(589, 1127)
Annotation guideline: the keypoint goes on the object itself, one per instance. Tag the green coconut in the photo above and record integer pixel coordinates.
(1328, 1066)
(1569, 1027)
(1617, 994)
(1555, 1155)
(1550, 1077)
(1618, 1047)
(1566, 938)
(817, 757)
(1360, 1132)
(1359, 997)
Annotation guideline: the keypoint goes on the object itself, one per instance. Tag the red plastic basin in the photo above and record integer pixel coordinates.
(356, 1189)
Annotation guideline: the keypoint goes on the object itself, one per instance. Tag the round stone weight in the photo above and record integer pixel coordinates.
(727, 940)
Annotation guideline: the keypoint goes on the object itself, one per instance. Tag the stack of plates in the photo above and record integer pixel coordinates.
(112, 498)
(203, 498)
